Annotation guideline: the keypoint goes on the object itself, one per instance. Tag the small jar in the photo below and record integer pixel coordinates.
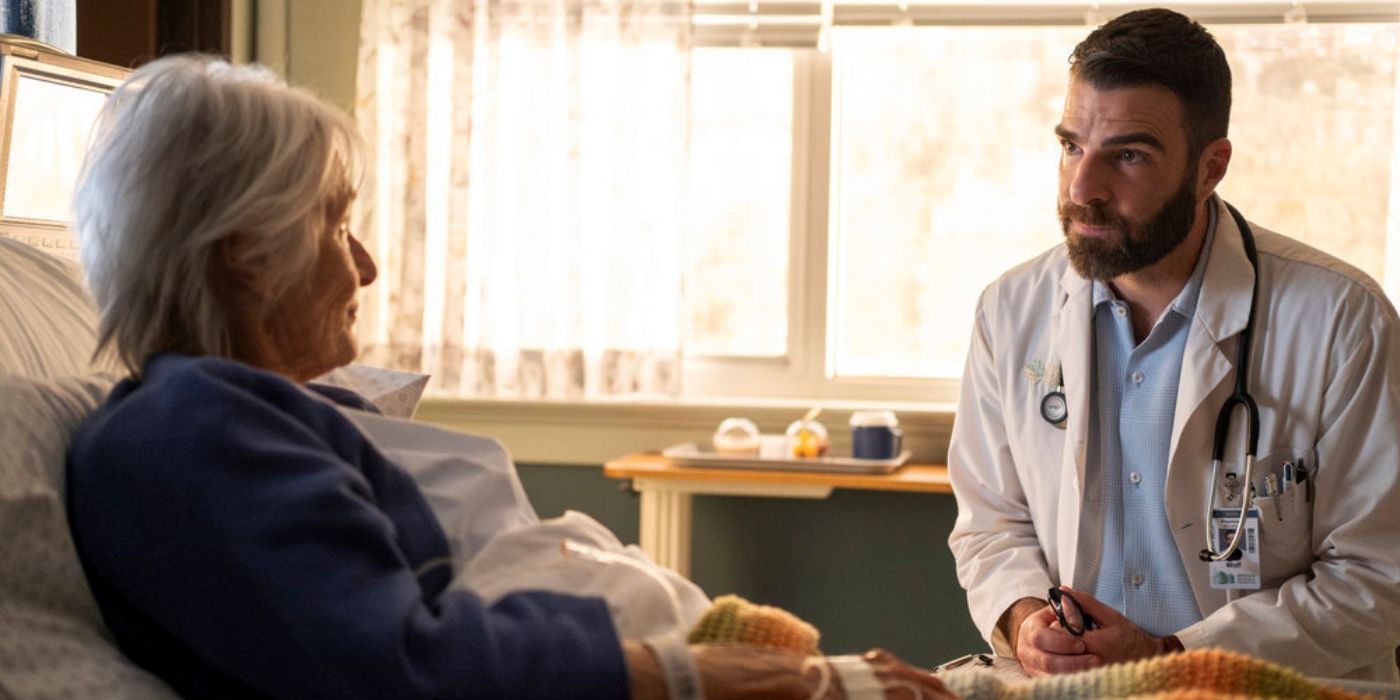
(875, 435)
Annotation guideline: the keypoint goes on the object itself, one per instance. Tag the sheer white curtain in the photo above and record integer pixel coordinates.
(523, 194)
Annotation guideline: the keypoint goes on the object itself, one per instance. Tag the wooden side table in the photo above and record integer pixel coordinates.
(667, 489)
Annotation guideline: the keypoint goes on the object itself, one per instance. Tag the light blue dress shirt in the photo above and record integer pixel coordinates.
(1138, 569)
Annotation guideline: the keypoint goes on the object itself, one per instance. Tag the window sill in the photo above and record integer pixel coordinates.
(590, 433)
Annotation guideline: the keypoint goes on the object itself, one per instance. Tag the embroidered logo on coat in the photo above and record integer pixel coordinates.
(1039, 371)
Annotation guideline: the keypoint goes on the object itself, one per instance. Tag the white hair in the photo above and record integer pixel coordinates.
(187, 152)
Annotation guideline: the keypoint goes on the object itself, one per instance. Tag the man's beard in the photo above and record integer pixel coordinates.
(1136, 246)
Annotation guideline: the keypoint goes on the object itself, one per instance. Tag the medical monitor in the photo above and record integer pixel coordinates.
(49, 101)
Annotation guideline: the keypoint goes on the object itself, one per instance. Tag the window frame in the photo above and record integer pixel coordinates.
(807, 370)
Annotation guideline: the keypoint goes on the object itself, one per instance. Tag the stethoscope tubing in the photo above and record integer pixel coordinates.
(1241, 398)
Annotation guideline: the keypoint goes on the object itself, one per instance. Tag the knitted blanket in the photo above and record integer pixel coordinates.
(1201, 674)
(734, 620)
(1204, 674)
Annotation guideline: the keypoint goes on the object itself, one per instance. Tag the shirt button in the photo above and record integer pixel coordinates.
(1138, 579)
(1120, 309)
(1138, 377)
(1135, 477)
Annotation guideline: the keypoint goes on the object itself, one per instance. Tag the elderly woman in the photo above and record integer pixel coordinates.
(242, 537)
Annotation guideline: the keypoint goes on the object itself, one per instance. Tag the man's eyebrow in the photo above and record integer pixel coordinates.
(1140, 137)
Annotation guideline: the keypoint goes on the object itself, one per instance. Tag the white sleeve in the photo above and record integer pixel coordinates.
(999, 558)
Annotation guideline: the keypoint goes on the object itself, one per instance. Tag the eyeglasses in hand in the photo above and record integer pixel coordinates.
(1070, 615)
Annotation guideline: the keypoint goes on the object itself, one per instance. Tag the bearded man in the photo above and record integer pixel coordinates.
(1093, 525)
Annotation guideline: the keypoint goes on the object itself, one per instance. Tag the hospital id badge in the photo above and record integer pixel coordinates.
(1241, 573)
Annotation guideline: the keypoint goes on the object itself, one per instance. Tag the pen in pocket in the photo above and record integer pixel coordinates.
(1303, 479)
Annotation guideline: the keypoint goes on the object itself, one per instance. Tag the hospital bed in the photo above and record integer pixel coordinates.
(52, 640)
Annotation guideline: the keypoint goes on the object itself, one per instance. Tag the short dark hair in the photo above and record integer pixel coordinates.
(1166, 48)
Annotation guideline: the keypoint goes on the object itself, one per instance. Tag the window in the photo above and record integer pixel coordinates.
(923, 166)
(942, 183)
(740, 185)
(1313, 128)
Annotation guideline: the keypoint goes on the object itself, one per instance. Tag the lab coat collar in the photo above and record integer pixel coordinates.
(1072, 325)
(1228, 288)
(1222, 312)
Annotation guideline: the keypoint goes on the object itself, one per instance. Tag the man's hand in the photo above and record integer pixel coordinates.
(1010, 622)
(1115, 638)
(1043, 647)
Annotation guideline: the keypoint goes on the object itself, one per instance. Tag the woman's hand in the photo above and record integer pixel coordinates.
(740, 671)
(900, 681)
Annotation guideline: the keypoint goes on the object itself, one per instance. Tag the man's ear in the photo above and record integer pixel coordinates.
(1210, 169)
(240, 266)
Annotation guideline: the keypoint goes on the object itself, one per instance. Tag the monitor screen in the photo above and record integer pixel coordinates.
(48, 137)
(49, 102)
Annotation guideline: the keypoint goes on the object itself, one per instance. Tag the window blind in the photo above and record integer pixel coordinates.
(801, 23)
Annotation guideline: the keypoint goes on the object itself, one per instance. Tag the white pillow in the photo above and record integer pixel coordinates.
(393, 392)
(53, 643)
(48, 323)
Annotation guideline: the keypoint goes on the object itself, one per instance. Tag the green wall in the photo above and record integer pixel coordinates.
(867, 568)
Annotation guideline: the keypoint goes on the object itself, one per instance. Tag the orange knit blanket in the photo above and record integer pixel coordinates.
(1202, 674)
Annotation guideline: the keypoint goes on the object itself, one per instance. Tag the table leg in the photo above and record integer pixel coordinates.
(666, 518)
(665, 527)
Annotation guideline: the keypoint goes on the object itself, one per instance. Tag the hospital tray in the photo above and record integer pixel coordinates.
(691, 454)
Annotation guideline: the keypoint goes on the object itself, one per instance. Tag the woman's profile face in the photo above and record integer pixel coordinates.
(312, 327)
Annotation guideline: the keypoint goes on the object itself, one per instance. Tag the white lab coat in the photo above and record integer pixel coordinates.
(1325, 372)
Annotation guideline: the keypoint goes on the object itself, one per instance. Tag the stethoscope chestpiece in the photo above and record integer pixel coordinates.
(1054, 408)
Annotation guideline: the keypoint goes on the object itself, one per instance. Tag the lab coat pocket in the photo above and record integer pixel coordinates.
(1285, 524)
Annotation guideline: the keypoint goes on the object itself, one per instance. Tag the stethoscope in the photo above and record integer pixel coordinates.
(1055, 409)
